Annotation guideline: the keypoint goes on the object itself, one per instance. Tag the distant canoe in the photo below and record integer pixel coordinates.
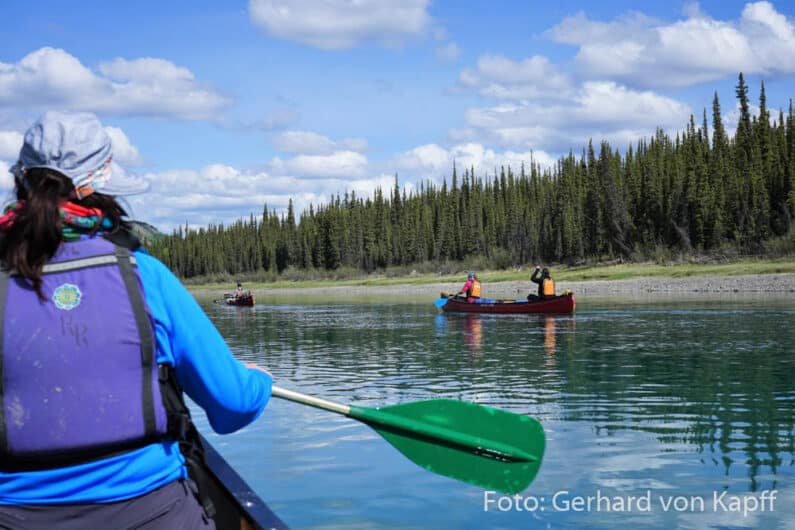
(563, 304)
(246, 299)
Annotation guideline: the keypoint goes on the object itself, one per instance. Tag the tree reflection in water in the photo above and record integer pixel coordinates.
(720, 381)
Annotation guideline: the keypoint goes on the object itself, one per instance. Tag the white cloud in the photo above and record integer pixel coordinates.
(448, 52)
(765, 16)
(366, 187)
(426, 159)
(577, 29)
(607, 102)
(598, 110)
(469, 79)
(214, 194)
(434, 162)
(341, 165)
(502, 78)
(220, 193)
(280, 119)
(51, 77)
(310, 143)
(124, 152)
(771, 36)
(143, 70)
(462, 134)
(338, 24)
(10, 144)
(637, 49)
(692, 10)
(6, 181)
(536, 105)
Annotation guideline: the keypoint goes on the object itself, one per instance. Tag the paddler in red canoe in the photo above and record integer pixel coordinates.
(471, 288)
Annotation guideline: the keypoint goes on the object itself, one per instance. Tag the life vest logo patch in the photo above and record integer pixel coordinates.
(67, 296)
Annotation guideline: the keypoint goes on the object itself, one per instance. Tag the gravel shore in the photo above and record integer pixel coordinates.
(772, 284)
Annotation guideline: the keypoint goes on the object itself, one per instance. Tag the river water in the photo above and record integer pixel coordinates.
(659, 413)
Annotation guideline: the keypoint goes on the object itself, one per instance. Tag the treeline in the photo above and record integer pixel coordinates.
(694, 193)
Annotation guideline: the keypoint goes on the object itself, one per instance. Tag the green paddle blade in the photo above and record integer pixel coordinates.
(488, 447)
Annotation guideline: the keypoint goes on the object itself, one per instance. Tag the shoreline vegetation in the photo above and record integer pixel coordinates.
(696, 192)
(744, 276)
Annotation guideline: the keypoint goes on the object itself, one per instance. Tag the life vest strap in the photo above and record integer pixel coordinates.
(145, 332)
(82, 263)
(181, 427)
(72, 458)
(4, 277)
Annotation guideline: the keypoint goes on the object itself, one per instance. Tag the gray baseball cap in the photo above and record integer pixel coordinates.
(75, 144)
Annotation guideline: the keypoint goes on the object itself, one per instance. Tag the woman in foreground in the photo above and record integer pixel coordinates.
(99, 341)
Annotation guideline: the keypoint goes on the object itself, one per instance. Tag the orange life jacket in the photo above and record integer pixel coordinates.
(548, 287)
(474, 291)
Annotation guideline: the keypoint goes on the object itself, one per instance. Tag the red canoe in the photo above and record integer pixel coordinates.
(563, 304)
(246, 299)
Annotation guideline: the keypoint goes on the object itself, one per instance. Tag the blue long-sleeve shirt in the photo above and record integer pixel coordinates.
(231, 394)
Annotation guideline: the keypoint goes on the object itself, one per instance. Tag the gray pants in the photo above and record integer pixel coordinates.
(172, 507)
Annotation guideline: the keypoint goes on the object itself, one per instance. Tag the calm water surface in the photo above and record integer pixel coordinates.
(656, 399)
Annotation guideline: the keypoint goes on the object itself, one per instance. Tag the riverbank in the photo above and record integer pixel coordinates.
(700, 284)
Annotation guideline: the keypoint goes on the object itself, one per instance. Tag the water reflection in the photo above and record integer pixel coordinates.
(692, 400)
(467, 327)
(473, 327)
(715, 380)
(239, 316)
(550, 342)
(243, 315)
(473, 333)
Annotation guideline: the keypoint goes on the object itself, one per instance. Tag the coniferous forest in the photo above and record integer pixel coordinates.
(699, 192)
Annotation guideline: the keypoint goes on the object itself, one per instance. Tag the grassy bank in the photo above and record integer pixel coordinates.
(562, 273)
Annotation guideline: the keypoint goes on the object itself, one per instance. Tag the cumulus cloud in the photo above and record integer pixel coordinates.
(6, 181)
(124, 152)
(280, 119)
(214, 194)
(311, 143)
(502, 78)
(52, 78)
(366, 187)
(692, 10)
(448, 52)
(339, 24)
(220, 193)
(536, 105)
(578, 29)
(637, 49)
(341, 165)
(771, 36)
(10, 144)
(597, 109)
(434, 162)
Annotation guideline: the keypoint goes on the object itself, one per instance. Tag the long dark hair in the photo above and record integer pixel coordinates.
(35, 235)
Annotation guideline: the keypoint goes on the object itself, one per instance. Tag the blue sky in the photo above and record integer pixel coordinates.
(226, 106)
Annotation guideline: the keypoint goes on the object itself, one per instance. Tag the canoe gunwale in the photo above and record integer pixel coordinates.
(234, 500)
(562, 304)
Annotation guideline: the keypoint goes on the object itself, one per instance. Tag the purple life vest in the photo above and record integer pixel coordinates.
(78, 374)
